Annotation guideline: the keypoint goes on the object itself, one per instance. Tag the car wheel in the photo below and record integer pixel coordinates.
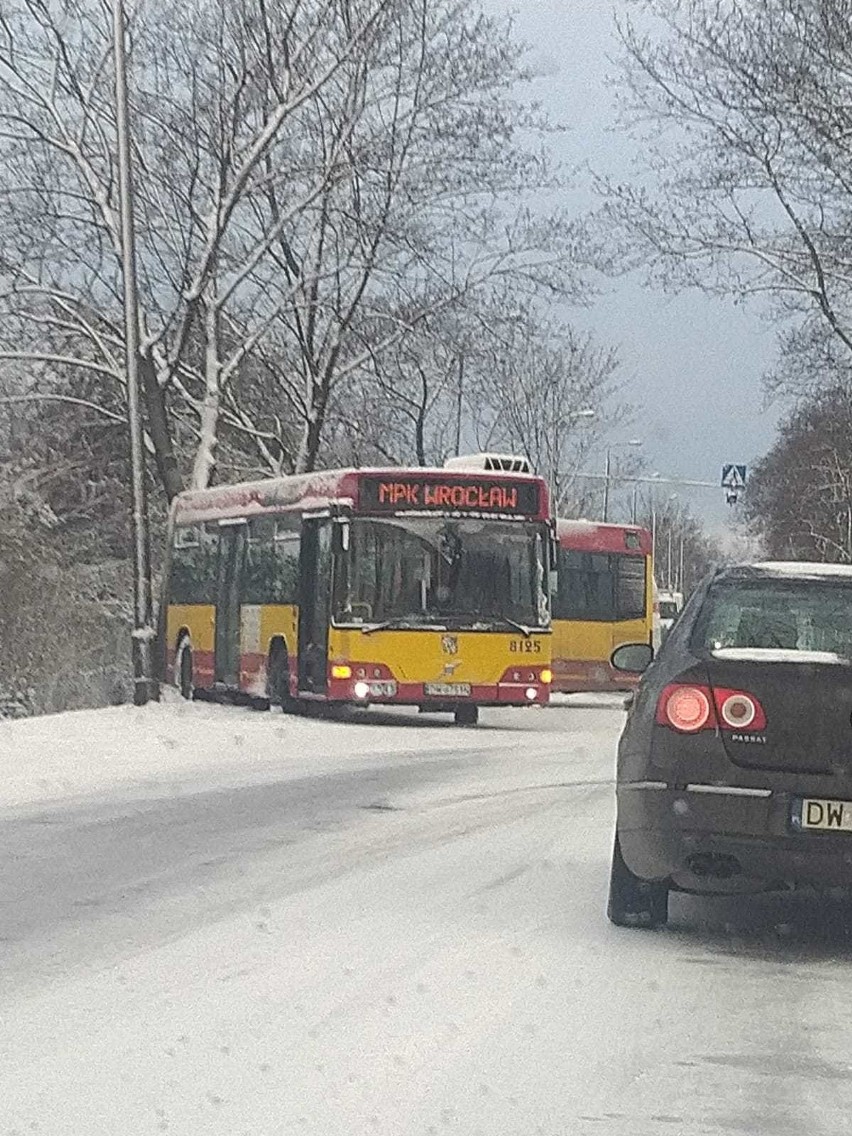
(634, 902)
(466, 715)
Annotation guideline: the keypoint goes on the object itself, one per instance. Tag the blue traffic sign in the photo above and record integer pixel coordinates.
(734, 476)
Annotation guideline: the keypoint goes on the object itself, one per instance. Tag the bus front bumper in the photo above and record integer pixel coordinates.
(439, 695)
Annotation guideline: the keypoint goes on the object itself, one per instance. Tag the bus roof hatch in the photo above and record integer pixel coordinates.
(495, 463)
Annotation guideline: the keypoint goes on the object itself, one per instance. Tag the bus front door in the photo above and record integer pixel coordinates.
(231, 546)
(315, 571)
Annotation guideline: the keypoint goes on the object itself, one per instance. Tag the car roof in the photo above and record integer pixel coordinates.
(785, 570)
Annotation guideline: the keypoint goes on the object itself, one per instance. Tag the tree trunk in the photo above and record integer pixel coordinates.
(309, 447)
(205, 456)
(420, 421)
(158, 429)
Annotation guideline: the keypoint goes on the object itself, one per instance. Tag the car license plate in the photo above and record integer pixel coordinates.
(447, 689)
(826, 816)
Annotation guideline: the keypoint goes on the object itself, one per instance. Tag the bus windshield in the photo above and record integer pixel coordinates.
(453, 572)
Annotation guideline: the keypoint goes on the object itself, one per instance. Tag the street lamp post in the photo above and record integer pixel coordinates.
(143, 613)
(608, 471)
(570, 418)
(672, 497)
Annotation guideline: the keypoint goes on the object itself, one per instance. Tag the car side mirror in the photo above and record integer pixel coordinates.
(632, 658)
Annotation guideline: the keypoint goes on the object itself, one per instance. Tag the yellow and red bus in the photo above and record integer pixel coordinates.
(605, 597)
(424, 587)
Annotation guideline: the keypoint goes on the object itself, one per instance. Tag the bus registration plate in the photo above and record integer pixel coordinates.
(447, 689)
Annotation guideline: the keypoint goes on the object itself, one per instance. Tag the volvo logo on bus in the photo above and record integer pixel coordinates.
(450, 644)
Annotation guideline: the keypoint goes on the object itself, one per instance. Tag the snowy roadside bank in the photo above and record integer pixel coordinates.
(177, 747)
(163, 749)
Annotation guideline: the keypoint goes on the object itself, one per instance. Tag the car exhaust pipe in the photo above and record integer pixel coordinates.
(710, 865)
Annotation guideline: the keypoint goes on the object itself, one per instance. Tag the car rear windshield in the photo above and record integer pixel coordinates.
(785, 615)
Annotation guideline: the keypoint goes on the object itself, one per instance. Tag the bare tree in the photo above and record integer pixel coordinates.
(684, 550)
(800, 493)
(743, 175)
(424, 219)
(216, 107)
(539, 382)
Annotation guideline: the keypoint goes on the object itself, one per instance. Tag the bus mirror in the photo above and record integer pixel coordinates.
(342, 530)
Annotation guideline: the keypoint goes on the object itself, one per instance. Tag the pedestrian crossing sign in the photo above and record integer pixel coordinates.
(733, 477)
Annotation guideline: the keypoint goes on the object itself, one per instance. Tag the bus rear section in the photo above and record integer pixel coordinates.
(414, 587)
(605, 597)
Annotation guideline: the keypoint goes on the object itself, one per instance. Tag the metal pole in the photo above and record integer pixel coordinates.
(606, 485)
(654, 535)
(680, 567)
(669, 563)
(459, 400)
(143, 613)
(633, 507)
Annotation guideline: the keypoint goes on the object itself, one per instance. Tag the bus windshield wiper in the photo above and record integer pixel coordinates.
(524, 630)
(491, 620)
(400, 621)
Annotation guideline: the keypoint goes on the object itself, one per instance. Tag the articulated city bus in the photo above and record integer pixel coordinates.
(605, 597)
(426, 587)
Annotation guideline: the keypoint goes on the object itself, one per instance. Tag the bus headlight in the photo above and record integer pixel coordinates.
(546, 676)
(341, 670)
(531, 693)
(361, 689)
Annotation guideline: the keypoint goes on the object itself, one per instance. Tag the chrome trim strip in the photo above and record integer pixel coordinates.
(729, 790)
(644, 785)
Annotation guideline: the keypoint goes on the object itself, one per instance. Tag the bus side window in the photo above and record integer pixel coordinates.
(559, 604)
(256, 587)
(271, 568)
(630, 593)
(193, 575)
(287, 543)
(586, 586)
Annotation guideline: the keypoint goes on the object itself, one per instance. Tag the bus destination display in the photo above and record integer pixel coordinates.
(413, 493)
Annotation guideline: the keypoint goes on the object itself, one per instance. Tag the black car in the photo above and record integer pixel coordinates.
(735, 765)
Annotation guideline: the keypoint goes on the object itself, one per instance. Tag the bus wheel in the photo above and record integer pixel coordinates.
(183, 669)
(466, 715)
(278, 679)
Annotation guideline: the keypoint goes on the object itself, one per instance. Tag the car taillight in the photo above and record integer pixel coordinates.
(686, 709)
(739, 710)
(689, 708)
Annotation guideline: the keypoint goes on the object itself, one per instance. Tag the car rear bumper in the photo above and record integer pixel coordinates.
(724, 838)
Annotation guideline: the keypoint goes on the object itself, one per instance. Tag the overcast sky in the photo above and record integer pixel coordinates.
(693, 364)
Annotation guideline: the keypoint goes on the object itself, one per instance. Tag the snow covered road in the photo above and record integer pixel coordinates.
(219, 922)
